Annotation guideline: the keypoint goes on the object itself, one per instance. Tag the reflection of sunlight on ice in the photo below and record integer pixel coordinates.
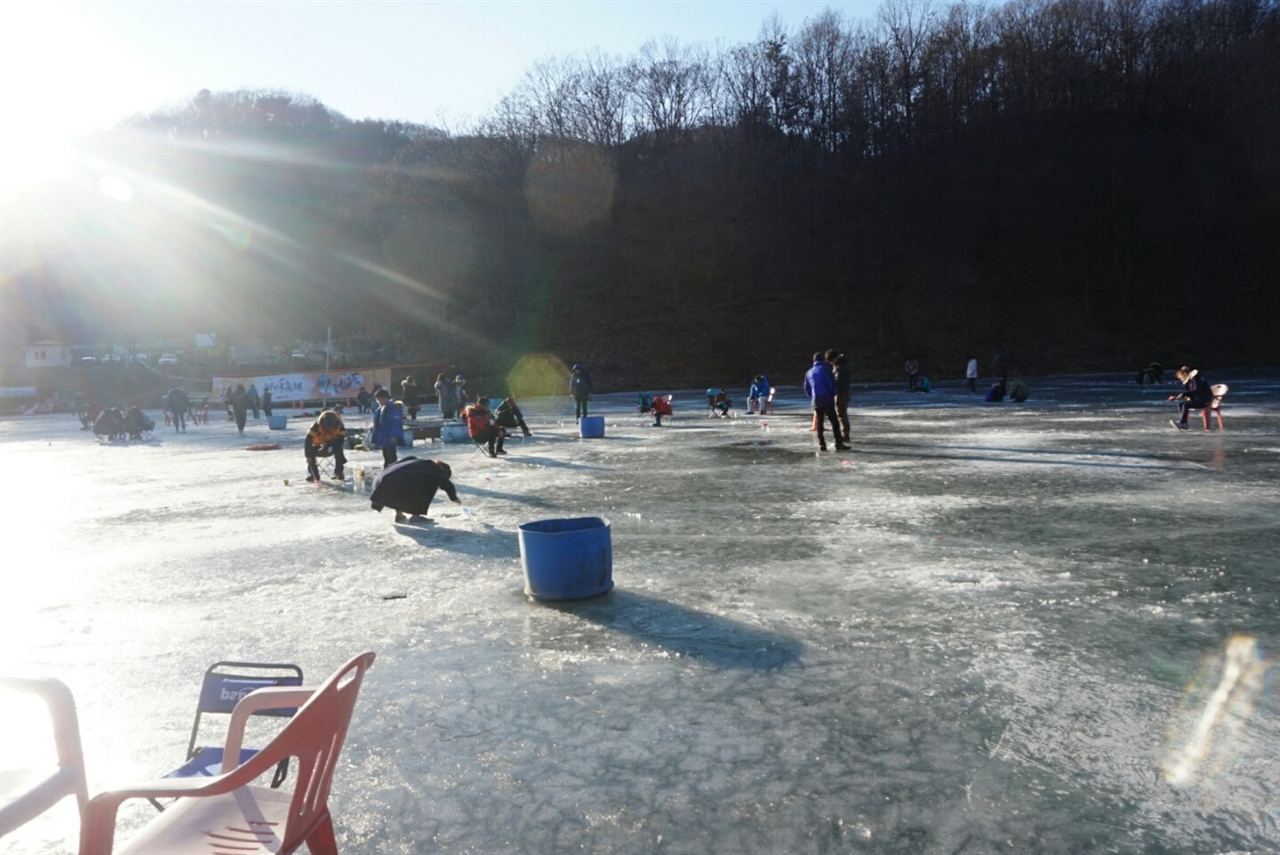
(26, 736)
(1223, 710)
(36, 510)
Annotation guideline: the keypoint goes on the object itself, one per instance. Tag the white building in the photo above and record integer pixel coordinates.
(47, 354)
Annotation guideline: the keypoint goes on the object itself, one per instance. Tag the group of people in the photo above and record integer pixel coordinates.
(118, 423)
(452, 395)
(827, 386)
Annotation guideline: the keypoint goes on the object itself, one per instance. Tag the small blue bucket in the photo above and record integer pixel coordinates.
(567, 559)
(275, 422)
(591, 427)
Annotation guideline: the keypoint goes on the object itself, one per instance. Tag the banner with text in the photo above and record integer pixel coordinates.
(341, 385)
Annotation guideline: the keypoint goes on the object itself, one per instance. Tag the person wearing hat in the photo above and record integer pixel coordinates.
(580, 389)
(820, 386)
(1196, 395)
(460, 390)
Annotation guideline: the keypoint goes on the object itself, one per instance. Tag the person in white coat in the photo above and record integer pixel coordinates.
(971, 374)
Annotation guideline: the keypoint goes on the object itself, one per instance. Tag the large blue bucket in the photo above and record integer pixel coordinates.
(567, 559)
(275, 422)
(591, 427)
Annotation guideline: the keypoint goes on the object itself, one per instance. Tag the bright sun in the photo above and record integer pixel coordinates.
(58, 77)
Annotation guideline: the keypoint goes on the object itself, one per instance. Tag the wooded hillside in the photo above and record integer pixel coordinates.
(1084, 184)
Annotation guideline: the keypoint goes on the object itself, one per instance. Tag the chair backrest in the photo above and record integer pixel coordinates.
(315, 736)
(1219, 391)
(225, 683)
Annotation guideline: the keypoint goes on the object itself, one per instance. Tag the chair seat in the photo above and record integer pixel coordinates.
(246, 821)
(207, 763)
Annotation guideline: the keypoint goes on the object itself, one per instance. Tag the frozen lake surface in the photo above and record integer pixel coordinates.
(1046, 627)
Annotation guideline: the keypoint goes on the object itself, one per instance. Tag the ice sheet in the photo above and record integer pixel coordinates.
(987, 628)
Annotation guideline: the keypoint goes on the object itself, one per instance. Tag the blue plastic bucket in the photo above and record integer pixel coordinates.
(275, 422)
(454, 432)
(591, 427)
(567, 559)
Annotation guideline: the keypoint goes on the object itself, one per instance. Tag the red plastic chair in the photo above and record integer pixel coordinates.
(1215, 406)
(229, 813)
(27, 793)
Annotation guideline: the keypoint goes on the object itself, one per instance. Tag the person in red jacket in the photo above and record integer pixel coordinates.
(482, 427)
(661, 407)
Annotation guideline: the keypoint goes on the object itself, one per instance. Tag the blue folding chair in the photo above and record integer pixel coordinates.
(225, 683)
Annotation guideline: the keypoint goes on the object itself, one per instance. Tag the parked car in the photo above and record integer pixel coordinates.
(168, 359)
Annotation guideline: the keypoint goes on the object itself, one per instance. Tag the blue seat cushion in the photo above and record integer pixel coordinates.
(207, 763)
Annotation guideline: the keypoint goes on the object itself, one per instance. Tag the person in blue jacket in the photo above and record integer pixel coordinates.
(580, 388)
(388, 427)
(820, 386)
(758, 396)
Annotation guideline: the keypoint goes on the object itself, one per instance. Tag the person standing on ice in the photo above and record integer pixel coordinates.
(254, 401)
(821, 389)
(388, 427)
(913, 375)
(324, 439)
(580, 389)
(238, 399)
(971, 374)
(409, 394)
(447, 396)
(266, 402)
(842, 375)
(410, 485)
(179, 403)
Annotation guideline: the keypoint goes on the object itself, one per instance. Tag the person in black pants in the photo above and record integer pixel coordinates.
(409, 395)
(580, 388)
(821, 389)
(509, 416)
(239, 401)
(840, 373)
(266, 402)
(325, 436)
(1197, 395)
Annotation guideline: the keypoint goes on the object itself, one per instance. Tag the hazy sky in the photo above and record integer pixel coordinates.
(413, 61)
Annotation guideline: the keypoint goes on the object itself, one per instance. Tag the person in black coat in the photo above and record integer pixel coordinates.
(179, 403)
(409, 485)
(840, 372)
(1197, 395)
(239, 401)
(509, 416)
(409, 395)
(266, 402)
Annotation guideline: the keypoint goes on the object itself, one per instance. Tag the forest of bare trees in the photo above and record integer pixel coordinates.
(1087, 184)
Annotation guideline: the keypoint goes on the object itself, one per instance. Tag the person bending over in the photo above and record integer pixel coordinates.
(388, 427)
(324, 439)
(410, 485)
(482, 427)
(1196, 395)
(509, 416)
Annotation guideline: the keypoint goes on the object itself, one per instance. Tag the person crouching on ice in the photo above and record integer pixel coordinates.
(388, 426)
(325, 439)
(481, 427)
(410, 485)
